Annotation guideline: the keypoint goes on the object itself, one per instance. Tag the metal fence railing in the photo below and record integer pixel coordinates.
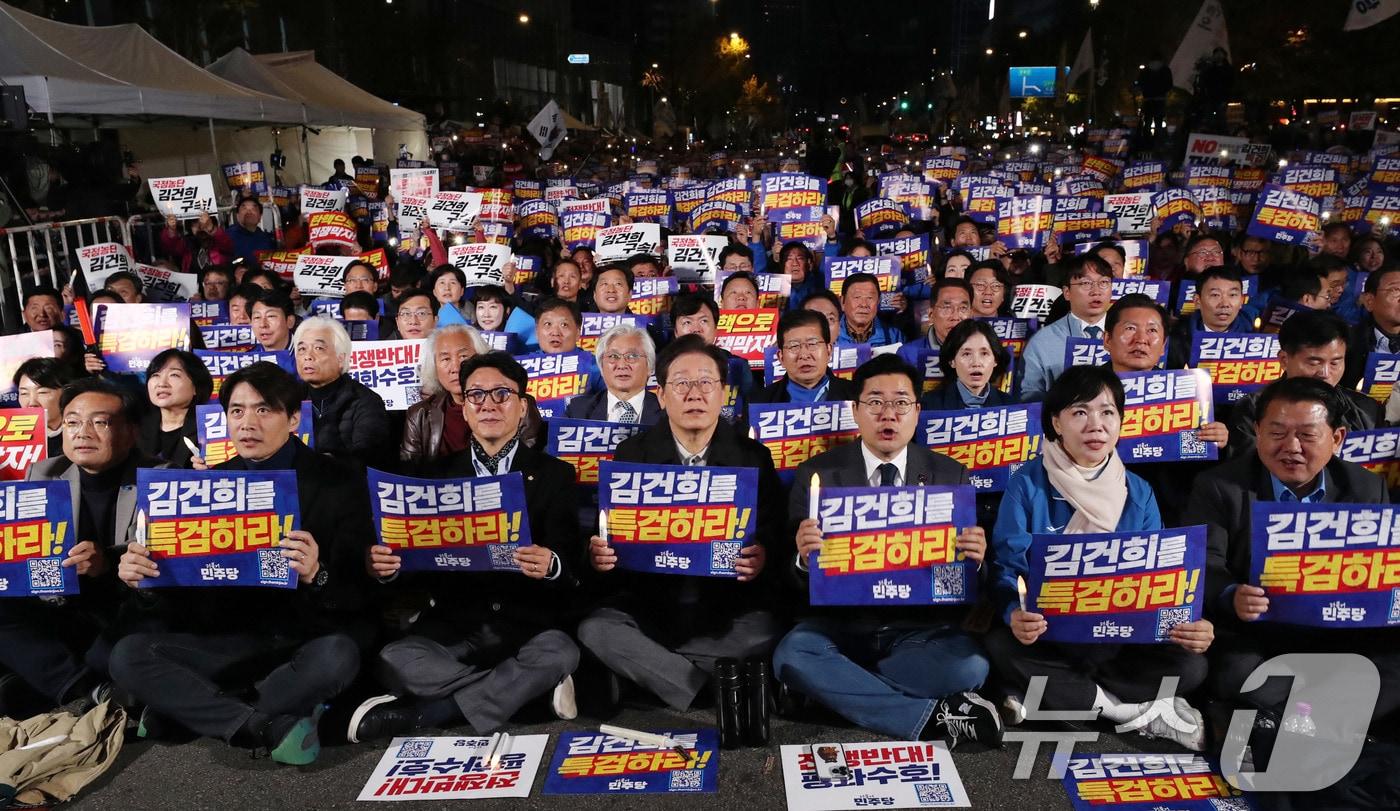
(46, 254)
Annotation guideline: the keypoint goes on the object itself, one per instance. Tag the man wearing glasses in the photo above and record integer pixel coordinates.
(950, 306)
(625, 355)
(415, 315)
(1089, 290)
(804, 347)
(665, 632)
(487, 647)
(908, 672)
(55, 649)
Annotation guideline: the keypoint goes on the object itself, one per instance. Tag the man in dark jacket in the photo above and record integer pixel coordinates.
(58, 646)
(1313, 344)
(626, 355)
(664, 632)
(1379, 328)
(906, 672)
(1219, 299)
(350, 420)
(490, 642)
(1300, 430)
(304, 643)
(804, 347)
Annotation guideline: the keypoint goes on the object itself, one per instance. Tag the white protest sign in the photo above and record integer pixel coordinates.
(884, 774)
(1132, 212)
(480, 263)
(598, 205)
(184, 197)
(14, 351)
(412, 211)
(413, 182)
(1202, 145)
(558, 194)
(1034, 300)
(390, 368)
(547, 127)
(454, 210)
(317, 275)
(695, 257)
(314, 199)
(102, 260)
(159, 284)
(454, 767)
(619, 242)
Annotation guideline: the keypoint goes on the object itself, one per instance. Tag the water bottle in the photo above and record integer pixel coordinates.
(1301, 722)
(730, 706)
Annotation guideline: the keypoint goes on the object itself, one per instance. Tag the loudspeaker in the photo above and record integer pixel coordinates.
(14, 113)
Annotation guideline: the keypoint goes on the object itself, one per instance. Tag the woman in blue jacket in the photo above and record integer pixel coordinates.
(1079, 485)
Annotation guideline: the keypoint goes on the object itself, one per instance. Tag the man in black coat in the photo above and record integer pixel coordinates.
(58, 646)
(626, 355)
(907, 672)
(1300, 429)
(1379, 328)
(297, 648)
(351, 422)
(490, 642)
(804, 347)
(665, 632)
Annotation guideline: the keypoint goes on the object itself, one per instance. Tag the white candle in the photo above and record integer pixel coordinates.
(1021, 590)
(141, 527)
(603, 525)
(648, 738)
(189, 443)
(814, 498)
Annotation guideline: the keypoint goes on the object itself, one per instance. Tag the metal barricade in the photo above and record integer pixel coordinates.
(47, 254)
(145, 229)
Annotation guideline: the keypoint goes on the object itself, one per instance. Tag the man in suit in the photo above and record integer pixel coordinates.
(1312, 343)
(294, 649)
(665, 632)
(58, 646)
(950, 304)
(907, 672)
(698, 314)
(1379, 327)
(626, 355)
(1300, 430)
(804, 347)
(490, 642)
(1089, 290)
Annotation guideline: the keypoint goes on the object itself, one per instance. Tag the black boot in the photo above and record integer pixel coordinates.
(758, 701)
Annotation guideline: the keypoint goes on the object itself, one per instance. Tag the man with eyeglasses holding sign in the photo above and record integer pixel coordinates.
(804, 346)
(1089, 290)
(665, 632)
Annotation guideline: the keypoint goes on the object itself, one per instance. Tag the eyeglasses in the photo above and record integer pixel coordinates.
(614, 358)
(877, 407)
(744, 267)
(415, 315)
(498, 396)
(1207, 252)
(946, 309)
(988, 287)
(99, 424)
(1252, 251)
(811, 345)
(1100, 286)
(706, 386)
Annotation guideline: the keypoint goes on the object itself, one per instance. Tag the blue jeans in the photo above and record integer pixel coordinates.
(881, 677)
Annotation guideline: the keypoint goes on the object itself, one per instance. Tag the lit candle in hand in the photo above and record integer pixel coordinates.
(814, 497)
(1021, 590)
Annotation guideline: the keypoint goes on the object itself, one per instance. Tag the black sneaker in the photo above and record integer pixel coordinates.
(966, 716)
(381, 717)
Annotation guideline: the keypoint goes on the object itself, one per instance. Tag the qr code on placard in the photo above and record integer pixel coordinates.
(503, 556)
(45, 575)
(933, 793)
(1169, 618)
(1395, 605)
(1230, 804)
(414, 748)
(1191, 445)
(687, 780)
(272, 567)
(948, 580)
(724, 555)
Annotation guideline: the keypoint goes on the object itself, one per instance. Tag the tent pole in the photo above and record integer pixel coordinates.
(214, 145)
(306, 157)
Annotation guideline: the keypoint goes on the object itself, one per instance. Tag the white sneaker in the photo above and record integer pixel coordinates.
(1177, 721)
(352, 732)
(1013, 711)
(563, 701)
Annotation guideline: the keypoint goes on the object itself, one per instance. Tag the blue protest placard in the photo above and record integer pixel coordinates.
(130, 335)
(228, 337)
(1285, 216)
(992, 443)
(1112, 588)
(845, 359)
(538, 219)
(1327, 565)
(795, 432)
(217, 527)
(1148, 782)
(1378, 379)
(556, 378)
(1377, 450)
(1025, 222)
(596, 763)
(595, 324)
(1172, 206)
(1163, 415)
(585, 444)
(1013, 332)
(885, 269)
(1238, 363)
(784, 191)
(36, 533)
(880, 217)
(1155, 289)
(736, 190)
(713, 214)
(1144, 176)
(912, 252)
(217, 447)
(223, 364)
(892, 546)
(208, 313)
(1185, 303)
(982, 202)
(669, 519)
(648, 206)
(451, 525)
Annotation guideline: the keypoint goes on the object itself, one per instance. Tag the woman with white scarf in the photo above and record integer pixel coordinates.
(1079, 485)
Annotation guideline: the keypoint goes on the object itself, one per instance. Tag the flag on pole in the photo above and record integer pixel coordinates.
(548, 128)
(1367, 14)
(1207, 32)
(1084, 62)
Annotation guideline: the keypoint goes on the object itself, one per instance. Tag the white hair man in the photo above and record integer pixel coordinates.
(350, 420)
(626, 357)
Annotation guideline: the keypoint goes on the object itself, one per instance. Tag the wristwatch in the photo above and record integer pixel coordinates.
(321, 578)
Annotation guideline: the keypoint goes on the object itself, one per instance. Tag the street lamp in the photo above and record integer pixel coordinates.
(524, 18)
(1023, 34)
(990, 52)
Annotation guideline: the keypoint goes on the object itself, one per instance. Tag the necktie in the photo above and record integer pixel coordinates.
(887, 474)
(1093, 332)
(628, 413)
(695, 461)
